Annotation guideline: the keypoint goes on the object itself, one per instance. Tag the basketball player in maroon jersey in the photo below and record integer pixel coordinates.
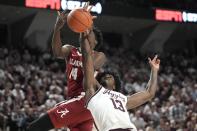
(71, 113)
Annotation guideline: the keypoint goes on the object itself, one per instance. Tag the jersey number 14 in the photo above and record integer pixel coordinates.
(73, 73)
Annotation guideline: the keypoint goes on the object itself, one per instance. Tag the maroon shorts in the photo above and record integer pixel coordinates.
(72, 114)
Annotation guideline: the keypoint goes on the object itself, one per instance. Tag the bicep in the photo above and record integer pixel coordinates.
(138, 99)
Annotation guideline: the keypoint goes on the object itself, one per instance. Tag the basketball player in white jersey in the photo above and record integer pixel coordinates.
(109, 107)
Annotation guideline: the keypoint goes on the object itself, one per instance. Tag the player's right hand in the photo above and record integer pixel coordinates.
(88, 8)
(61, 19)
(154, 63)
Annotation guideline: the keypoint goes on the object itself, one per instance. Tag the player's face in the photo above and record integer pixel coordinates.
(109, 81)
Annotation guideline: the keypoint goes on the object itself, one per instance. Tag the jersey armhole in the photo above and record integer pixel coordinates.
(86, 103)
(69, 55)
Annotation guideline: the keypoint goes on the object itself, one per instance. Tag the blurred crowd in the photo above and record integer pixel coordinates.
(31, 83)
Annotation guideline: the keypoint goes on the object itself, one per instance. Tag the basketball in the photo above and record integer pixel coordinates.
(79, 20)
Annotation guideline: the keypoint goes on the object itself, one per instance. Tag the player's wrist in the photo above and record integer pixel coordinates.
(57, 28)
(155, 71)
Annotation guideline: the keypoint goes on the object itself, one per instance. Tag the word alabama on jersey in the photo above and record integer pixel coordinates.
(74, 73)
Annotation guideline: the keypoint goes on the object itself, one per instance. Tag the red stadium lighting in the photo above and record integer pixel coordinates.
(167, 15)
(52, 4)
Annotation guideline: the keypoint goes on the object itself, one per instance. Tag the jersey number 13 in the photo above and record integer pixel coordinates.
(118, 105)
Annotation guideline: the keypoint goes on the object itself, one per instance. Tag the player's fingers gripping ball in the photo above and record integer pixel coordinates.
(79, 20)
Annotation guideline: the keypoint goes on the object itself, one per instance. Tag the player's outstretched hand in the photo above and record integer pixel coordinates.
(154, 63)
(61, 19)
(88, 8)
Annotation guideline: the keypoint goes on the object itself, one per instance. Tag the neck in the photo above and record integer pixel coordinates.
(110, 88)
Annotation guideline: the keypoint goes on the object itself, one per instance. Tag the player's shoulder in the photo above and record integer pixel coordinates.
(68, 49)
(68, 46)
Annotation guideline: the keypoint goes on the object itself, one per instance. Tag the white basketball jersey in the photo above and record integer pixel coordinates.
(109, 111)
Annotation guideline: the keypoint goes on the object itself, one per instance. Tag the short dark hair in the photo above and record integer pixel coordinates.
(116, 78)
(98, 37)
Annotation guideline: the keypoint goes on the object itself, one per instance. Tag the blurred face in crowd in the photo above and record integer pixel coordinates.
(17, 86)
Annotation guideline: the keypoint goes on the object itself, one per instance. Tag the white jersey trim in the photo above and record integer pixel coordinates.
(86, 105)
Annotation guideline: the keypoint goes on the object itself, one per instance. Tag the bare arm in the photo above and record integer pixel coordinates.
(140, 98)
(60, 51)
(88, 67)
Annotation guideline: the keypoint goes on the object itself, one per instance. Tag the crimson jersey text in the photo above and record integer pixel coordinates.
(74, 73)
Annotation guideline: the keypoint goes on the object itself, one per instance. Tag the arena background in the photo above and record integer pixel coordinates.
(132, 31)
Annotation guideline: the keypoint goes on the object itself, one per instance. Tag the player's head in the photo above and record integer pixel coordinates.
(96, 38)
(109, 80)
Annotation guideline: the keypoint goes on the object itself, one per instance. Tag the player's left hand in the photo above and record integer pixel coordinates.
(61, 19)
(154, 63)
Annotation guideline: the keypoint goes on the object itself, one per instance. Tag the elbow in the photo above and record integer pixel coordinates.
(151, 96)
(152, 91)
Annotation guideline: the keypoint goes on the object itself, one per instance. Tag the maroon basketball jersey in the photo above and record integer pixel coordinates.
(74, 73)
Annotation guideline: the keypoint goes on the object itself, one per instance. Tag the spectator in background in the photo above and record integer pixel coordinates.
(18, 93)
(177, 110)
(50, 102)
(138, 120)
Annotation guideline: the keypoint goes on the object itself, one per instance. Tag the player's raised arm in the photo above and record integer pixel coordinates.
(140, 98)
(60, 51)
(88, 66)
